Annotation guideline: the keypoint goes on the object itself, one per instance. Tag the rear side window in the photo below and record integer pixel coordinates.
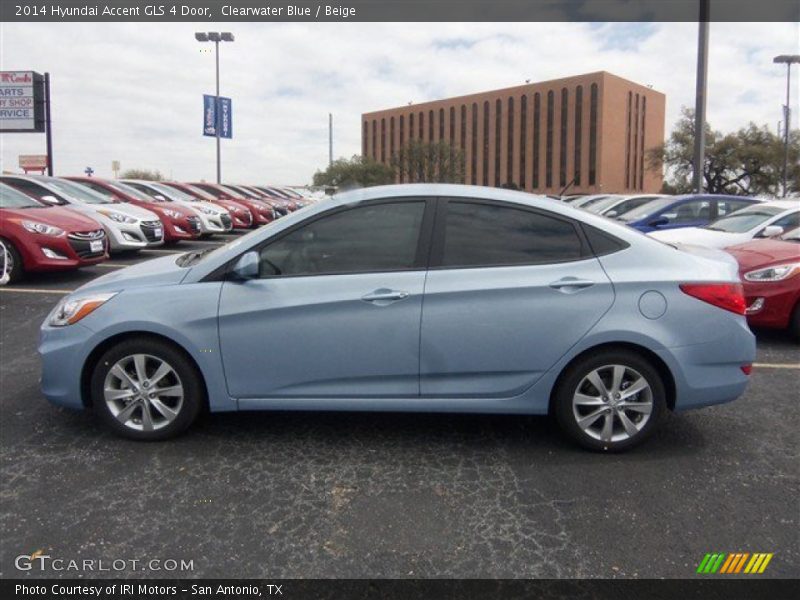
(602, 242)
(477, 235)
(726, 207)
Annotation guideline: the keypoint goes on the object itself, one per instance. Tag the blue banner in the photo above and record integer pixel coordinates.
(209, 115)
(225, 116)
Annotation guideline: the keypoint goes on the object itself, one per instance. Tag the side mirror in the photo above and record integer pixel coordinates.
(771, 231)
(611, 214)
(49, 199)
(658, 222)
(246, 267)
(160, 198)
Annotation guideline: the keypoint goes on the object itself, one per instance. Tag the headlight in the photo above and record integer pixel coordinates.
(172, 213)
(36, 227)
(72, 310)
(118, 217)
(776, 273)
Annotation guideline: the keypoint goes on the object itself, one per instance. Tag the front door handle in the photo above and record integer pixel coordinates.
(569, 285)
(384, 296)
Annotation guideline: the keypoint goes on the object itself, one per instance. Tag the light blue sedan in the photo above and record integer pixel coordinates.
(410, 298)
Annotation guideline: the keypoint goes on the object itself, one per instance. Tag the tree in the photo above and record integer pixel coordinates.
(746, 162)
(145, 174)
(357, 171)
(434, 162)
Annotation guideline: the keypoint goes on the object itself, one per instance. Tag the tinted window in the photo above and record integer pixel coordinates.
(11, 198)
(380, 237)
(689, 212)
(485, 235)
(725, 207)
(788, 222)
(602, 242)
(31, 189)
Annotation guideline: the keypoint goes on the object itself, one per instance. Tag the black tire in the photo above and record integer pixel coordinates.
(17, 269)
(573, 377)
(187, 375)
(794, 323)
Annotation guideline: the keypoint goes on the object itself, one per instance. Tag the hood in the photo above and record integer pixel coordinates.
(151, 273)
(159, 208)
(698, 236)
(126, 209)
(763, 253)
(57, 216)
(231, 205)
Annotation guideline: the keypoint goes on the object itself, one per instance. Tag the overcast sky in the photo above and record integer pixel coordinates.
(132, 92)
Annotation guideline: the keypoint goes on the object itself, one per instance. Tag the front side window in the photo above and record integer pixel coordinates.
(689, 212)
(745, 219)
(478, 235)
(374, 238)
(726, 207)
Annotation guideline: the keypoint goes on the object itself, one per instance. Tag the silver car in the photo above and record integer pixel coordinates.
(128, 227)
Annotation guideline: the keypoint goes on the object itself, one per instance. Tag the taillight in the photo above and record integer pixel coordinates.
(729, 296)
(747, 369)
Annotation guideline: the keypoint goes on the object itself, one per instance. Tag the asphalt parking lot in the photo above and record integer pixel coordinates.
(285, 495)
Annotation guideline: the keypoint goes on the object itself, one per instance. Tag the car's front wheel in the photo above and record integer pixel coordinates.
(610, 401)
(146, 389)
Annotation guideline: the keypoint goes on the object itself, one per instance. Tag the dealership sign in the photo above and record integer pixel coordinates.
(21, 102)
(32, 162)
(217, 114)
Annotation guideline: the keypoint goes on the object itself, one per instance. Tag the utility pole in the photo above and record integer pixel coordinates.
(700, 97)
(330, 139)
(788, 60)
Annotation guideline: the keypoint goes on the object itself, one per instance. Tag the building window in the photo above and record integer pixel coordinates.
(578, 133)
(441, 125)
(635, 138)
(452, 132)
(562, 142)
(498, 146)
(523, 139)
(548, 153)
(391, 137)
(485, 179)
(421, 127)
(383, 140)
(510, 145)
(402, 141)
(593, 134)
(430, 126)
(410, 127)
(628, 115)
(374, 139)
(463, 131)
(537, 134)
(474, 158)
(641, 142)
(364, 139)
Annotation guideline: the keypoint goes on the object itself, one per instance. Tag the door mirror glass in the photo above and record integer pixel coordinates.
(771, 231)
(611, 214)
(48, 199)
(160, 198)
(246, 267)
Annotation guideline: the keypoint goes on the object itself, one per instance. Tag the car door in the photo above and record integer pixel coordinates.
(336, 309)
(508, 292)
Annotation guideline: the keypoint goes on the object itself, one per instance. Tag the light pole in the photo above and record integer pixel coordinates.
(216, 37)
(788, 60)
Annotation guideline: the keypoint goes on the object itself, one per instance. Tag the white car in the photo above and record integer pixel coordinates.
(763, 220)
(613, 206)
(128, 227)
(213, 218)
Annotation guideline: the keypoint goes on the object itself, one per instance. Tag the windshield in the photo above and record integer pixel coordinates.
(201, 194)
(130, 191)
(11, 198)
(604, 203)
(171, 193)
(646, 210)
(745, 219)
(78, 192)
(793, 235)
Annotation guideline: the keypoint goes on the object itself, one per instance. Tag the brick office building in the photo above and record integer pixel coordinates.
(592, 130)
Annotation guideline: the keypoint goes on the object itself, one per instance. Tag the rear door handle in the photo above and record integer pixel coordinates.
(384, 296)
(571, 284)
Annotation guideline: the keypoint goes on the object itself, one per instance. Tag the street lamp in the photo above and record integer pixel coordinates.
(788, 60)
(216, 37)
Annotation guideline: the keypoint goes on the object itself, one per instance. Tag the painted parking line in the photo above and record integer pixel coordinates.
(776, 366)
(35, 290)
(113, 265)
(160, 251)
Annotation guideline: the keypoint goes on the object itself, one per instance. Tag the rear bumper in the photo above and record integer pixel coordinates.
(711, 373)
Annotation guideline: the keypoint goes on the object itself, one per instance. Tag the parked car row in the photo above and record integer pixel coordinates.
(63, 223)
(763, 237)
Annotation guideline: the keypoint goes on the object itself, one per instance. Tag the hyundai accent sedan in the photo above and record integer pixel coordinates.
(435, 298)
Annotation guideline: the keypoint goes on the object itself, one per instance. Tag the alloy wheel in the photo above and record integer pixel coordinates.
(143, 392)
(612, 403)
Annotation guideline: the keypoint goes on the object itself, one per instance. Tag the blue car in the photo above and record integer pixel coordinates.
(410, 298)
(673, 212)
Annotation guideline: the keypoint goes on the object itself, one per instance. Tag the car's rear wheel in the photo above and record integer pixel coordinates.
(10, 260)
(794, 323)
(145, 389)
(610, 401)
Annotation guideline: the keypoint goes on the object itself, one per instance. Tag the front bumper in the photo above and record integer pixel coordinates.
(771, 304)
(63, 352)
(46, 253)
(134, 236)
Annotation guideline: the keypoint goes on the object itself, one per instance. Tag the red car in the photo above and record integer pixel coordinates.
(180, 223)
(47, 238)
(770, 272)
(240, 214)
(262, 212)
(281, 205)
